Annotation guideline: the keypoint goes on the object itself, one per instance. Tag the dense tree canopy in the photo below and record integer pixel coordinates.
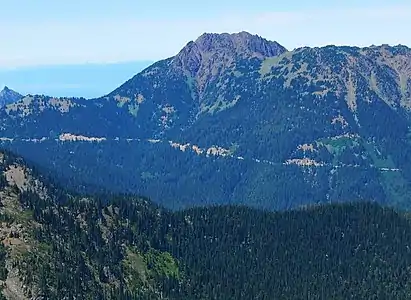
(125, 247)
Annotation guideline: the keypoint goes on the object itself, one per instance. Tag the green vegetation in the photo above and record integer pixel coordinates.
(94, 240)
(133, 109)
(3, 270)
(338, 144)
(162, 264)
(125, 247)
(265, 100)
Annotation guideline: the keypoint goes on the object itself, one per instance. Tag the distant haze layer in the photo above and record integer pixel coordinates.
(84, 80)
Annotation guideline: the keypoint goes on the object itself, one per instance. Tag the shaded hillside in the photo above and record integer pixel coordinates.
(62, 246)
(56, 245)
(234, 118)
(328, 252)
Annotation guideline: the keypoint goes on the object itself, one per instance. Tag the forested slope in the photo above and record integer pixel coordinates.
(234, 119)
(59, 245)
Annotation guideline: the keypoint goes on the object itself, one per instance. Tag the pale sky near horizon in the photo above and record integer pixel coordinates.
(49, 32)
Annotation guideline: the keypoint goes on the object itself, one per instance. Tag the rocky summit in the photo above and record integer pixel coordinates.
(8, 96)
(211, 55)
(235, 118)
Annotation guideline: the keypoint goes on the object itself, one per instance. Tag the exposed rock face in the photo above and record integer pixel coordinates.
(229, 47)
(212, 54)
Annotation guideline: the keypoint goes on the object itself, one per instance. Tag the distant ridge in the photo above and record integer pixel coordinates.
(235, 118)
(8, 96)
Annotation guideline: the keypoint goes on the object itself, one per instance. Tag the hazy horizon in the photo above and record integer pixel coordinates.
(88, 79)
(89, 48)
(76, 80)
(78, 32)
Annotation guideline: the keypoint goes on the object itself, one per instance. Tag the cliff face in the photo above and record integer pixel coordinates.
(212, 55)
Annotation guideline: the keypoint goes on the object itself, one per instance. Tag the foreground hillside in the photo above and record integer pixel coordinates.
(56, 245)
(234, 118)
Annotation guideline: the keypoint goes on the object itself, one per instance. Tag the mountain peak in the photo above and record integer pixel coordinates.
(8, 96)
(241, 43)
(6, 89)
(227, 46)
(212, 53)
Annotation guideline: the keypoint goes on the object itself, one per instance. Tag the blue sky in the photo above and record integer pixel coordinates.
(49, 32)
(77, 31)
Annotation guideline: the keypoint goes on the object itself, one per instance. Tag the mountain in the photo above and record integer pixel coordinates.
(234, 118)
(60, 245)
(8, 96)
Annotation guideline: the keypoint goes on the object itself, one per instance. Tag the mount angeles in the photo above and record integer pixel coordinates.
(330, 123)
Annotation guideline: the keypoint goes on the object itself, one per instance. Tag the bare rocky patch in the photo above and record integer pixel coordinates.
(307, 147)
(68, 137)
(339, 120)
(304, 162)
(16, 175)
